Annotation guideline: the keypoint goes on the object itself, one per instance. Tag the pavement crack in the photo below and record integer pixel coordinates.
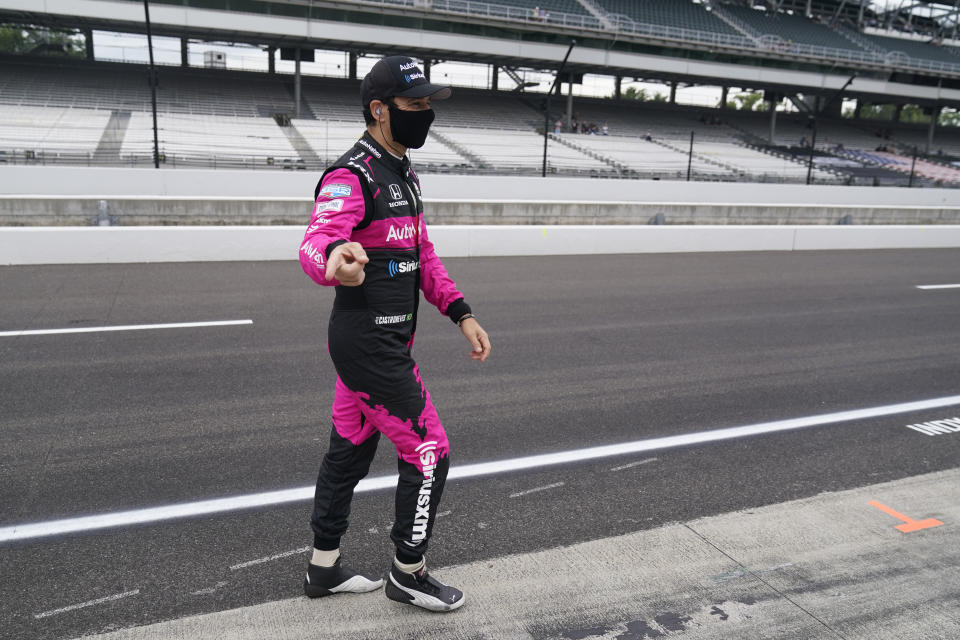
(116, 294)
(754, 574)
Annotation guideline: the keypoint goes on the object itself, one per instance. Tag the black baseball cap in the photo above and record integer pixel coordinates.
(398, 76)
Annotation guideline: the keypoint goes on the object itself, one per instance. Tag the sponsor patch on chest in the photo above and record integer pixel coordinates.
(406, 232)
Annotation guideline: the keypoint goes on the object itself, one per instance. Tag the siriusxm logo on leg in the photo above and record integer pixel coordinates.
(428, 461)
(395, 267)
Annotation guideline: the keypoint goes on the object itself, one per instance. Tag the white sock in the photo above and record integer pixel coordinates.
(324, 558)
(410, 568)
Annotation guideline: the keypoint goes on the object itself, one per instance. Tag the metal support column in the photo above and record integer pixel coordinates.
(296, 83)
(153, 85)
(271, 59)
(934, 116)
(546, 111)
(773, 122)
(570, 106)
(88, 43)
(184, 53)
(352, 65)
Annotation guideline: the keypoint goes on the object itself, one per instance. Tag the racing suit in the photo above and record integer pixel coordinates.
(372, 197)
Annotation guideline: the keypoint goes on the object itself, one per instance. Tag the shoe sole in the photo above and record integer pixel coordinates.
(399, 594)
(356, 584)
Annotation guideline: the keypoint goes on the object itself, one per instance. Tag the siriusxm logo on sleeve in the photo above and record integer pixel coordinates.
(395, 267)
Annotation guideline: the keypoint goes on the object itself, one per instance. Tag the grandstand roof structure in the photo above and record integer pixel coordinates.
(705, 42)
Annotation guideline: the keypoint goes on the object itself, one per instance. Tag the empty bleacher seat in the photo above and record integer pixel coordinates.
(915, 49)
(51, 130)
(791, 28)
(681, 14)
(521, 151)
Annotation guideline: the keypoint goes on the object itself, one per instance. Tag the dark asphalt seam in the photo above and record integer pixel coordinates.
(755, 575)
(116, 294)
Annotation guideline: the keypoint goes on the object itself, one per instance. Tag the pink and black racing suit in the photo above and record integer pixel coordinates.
(372, 197)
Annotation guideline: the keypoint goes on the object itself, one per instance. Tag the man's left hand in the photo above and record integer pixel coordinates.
(477, 337)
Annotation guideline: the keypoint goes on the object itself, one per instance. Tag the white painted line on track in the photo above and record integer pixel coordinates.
(938, 286)
(249, 501)
(285, 554)
(537, 489)
(633, 464)
(125, 327)
(89, 603)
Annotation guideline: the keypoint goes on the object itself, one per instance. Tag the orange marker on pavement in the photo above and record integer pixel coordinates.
(909, 523)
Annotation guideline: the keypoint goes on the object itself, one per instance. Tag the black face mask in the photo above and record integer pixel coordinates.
(410, 128)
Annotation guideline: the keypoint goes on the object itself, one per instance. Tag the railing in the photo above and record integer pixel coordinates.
(776, 44)
(508, 12)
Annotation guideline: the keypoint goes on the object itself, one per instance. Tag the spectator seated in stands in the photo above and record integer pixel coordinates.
(606, 129)
(558, 126)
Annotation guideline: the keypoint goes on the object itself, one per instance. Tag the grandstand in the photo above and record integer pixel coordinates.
(96, 112)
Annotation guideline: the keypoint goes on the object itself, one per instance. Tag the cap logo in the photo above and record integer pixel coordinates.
(415, 76)
(409, 65)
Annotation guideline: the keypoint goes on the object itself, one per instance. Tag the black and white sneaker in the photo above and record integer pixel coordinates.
(422, 590)
(326, 581)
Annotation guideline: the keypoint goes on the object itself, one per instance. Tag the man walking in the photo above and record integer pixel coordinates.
(367, 237)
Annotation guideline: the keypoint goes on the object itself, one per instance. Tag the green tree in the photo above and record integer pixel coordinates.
(949, 119)
(909, 113)
(748, 102)
(36, 40)
(641, 95)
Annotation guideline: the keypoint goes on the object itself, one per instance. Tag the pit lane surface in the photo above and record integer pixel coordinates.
(588, 351)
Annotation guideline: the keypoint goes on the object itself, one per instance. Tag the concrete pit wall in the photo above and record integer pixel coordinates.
(163, 211)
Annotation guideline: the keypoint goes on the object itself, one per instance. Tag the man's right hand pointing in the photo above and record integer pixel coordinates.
(346, 264)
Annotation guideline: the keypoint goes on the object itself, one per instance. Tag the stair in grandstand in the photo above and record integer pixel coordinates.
(474, 159)
(620, 167)
(108, 148)
(306, 111)
(735, 22)
(308, 157)
(713, 161)
(859, 40)
(597, 13)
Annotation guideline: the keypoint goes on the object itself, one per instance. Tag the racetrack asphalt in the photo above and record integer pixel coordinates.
(588, 350)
